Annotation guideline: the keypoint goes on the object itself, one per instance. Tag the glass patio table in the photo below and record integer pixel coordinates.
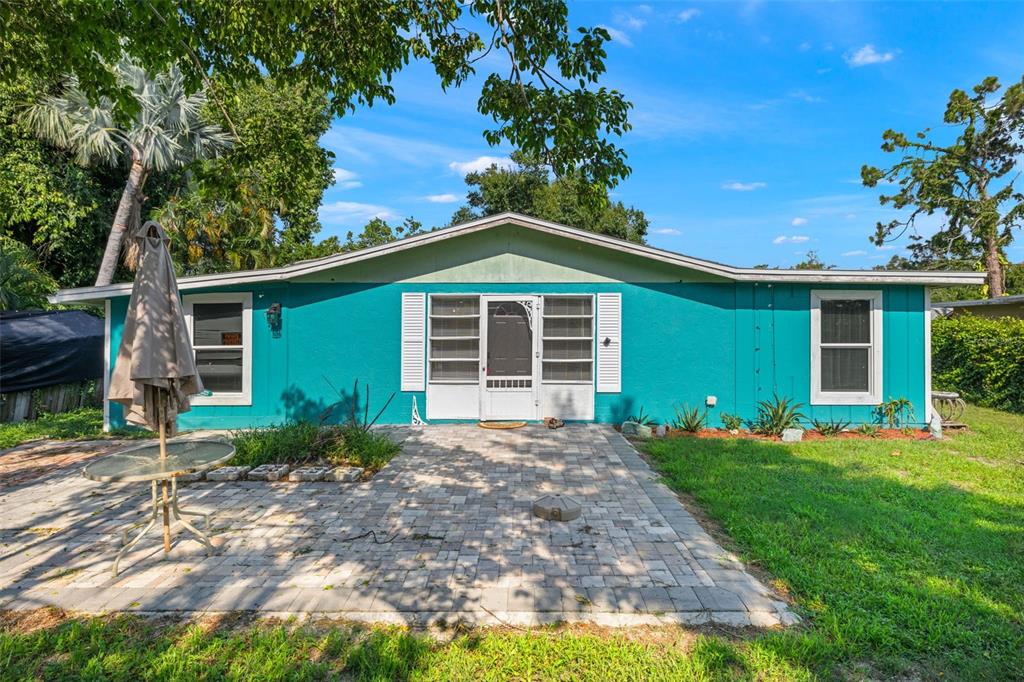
(144, 464)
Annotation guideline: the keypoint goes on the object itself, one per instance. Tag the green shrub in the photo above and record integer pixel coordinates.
(641, 418)
(980, 358)
(731, 422)
(294, 443)
(364, 448)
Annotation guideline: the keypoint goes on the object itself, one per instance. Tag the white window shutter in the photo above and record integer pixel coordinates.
(414, 329)
(609, 343)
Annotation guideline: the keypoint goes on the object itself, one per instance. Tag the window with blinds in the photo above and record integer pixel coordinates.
(846, 346)
(568, 339)
(454, 339)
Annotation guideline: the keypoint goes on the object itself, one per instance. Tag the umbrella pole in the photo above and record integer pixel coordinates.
(163, 487)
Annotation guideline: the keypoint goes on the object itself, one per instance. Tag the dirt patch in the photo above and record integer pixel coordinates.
(24, 464)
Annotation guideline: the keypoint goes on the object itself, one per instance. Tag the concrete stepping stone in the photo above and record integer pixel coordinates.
(309, 474)
(194, 477)
(345, 474)
(227, 474)
(269, 472)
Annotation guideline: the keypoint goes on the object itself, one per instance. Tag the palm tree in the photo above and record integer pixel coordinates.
(168, 131)
(23, 284)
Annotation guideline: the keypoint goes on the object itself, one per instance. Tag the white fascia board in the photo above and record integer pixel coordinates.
(309, 267)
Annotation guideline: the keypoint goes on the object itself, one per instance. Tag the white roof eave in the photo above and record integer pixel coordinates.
(289, 272)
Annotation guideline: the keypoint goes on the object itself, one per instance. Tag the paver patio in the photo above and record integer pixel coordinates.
(453, 538)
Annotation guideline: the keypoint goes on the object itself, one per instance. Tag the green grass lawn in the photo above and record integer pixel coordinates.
(905, 558)
(82, 424)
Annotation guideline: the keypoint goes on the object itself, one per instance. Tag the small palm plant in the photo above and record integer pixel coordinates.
(896, 412)
(166, 132)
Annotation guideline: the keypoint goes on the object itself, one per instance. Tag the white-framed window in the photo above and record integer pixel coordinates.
(454, 339)
(846, 347)
(567, 356)
(221, 329)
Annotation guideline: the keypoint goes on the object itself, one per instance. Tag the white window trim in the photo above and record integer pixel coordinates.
(245, 298)
(874, 395)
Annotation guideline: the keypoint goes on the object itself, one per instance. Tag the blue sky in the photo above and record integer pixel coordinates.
(751, 121)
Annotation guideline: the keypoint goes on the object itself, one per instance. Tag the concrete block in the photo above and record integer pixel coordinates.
(268, 472)
(227, 474)
(309, 474)
(344, 474)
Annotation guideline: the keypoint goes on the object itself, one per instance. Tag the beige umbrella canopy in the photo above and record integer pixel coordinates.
(156, 368)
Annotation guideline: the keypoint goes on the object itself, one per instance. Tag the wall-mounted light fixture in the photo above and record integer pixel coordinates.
(274, 317)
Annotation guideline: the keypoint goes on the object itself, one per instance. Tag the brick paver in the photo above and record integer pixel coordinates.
(453, 537)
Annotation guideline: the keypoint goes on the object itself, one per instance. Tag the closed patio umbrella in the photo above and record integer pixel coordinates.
(156, 369)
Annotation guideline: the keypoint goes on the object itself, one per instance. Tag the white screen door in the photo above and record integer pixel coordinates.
(509, 361)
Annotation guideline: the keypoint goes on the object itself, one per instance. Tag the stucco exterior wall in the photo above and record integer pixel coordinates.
(681, 341)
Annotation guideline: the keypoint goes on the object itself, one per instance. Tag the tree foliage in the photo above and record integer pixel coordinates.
(23, 283)
(59, 209)
(545, 100)
(969, 182)
(256, 205)
(982, 358)
(529, 189)
(813, 262)
(167, 132)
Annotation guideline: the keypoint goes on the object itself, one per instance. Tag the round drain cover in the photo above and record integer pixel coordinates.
(557, 508)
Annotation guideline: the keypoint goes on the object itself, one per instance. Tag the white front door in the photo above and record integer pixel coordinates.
(510, 357)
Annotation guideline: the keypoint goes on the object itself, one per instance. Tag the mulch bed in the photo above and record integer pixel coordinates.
(809, 435)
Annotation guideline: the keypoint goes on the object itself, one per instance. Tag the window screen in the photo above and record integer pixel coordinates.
(845, 345)
(454, 338)
(568, 341)
(218, 340)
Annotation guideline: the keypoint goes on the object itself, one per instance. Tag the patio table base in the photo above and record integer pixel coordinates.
(178, 514)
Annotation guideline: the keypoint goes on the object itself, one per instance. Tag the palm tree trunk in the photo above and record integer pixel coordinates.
(112, 253)
(993, 267)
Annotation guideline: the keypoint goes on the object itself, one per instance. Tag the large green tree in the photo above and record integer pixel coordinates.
(543, 95)
(969, 182)
(529, 188)
(166, 132)
(256, 205)
(23, 283)
(58, 208)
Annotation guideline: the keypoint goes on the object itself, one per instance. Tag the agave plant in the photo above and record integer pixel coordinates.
(830, 427)
(731, 422)
(641, 418)
(689, 419)
(167, 131)
(776, 415)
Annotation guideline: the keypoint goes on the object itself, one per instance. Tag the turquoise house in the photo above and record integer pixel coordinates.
(511, 317)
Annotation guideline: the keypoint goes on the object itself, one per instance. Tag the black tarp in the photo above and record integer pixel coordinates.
(39, 349)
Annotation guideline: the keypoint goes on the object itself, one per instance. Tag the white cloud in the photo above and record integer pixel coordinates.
(617, 35)
(441, 198)
(797, 222)
(743, 186)
(805, 96)
(886, 247)
(480, 164)
(349, 213)
(858, 252)
(794, 239)
(804, 46)
(688, 14)
(345, 179)
(868, 55)
(667, 231)
(633, 22)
